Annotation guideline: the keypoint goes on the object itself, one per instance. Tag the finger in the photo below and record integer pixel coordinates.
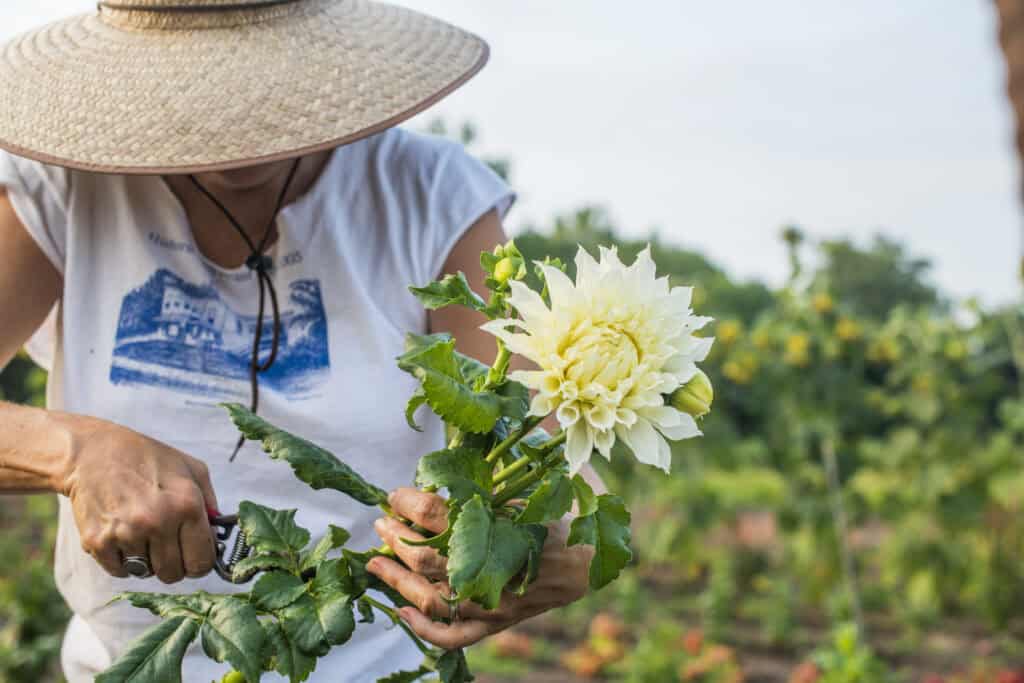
(447, 636)
(420, 559)
(414, 587)
(101, 543)
(110, 558)
(165, 554)
(197, 545)
(201, 473)
(429, 510)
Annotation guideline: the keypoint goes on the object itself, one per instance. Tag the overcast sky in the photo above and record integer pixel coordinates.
(715, 123)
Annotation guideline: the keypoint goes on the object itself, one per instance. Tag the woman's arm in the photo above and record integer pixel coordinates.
(130, 495)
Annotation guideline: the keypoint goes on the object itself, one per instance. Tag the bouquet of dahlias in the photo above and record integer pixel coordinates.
(615, 359)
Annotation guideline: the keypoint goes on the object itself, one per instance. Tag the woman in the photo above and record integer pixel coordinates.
(210, 198)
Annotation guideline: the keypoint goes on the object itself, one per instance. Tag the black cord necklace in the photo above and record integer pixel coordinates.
(261, 264)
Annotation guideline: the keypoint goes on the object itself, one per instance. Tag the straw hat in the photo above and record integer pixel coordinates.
(184, 86)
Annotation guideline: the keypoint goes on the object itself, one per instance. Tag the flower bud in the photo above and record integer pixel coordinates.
(695, 397)
(233, 677)
(505, 270)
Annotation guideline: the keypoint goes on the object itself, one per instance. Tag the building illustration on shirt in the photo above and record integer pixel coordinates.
(182, 336)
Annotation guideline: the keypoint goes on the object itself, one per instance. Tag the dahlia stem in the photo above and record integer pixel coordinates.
(517, 486)
(496, 375)
(512, 439)
(392, 614)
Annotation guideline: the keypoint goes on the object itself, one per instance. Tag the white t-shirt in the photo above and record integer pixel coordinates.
(151, 335)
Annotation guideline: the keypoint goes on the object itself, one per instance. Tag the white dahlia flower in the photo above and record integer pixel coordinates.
(609, 349)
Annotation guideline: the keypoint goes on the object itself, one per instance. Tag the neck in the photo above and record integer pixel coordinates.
(250, 194)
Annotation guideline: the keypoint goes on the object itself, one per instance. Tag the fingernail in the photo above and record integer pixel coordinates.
(391, 498)
(404, 613)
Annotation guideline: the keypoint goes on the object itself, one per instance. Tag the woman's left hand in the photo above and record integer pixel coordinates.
(562, 578)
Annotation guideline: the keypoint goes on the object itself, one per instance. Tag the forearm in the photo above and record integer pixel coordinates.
(36, 447)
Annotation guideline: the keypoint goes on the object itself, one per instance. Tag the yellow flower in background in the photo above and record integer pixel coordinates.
(955, 350)
(885, 350)
(736, 373)
(822, 303)
(728, 331)
(923, 383)
(848, 330)
(761, 339)
(797, 349)
(610, 347)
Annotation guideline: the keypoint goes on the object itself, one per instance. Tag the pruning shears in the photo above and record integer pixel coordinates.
(225, 562)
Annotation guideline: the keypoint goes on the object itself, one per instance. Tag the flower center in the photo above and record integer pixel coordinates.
(602, 354)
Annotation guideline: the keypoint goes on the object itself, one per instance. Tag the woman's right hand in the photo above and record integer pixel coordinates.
(132, 495)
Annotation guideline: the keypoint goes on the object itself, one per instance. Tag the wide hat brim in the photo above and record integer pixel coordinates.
(100, 95)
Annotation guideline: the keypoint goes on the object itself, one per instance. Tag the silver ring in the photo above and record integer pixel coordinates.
(137, 566)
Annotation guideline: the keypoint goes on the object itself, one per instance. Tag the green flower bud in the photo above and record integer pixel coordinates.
(695, 397)
(233, 677)
(504, 270)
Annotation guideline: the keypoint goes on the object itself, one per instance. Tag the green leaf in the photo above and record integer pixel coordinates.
(232, 633)
(155, 655)
(538, 535)
(302, 626)
(167, 606)
(452, 667)
(607, 529)
(288, 659)
(418, 398)
(334, 538)
(333, 602)
(311, 464)
(366, 614)
(244, 569)
(551, 500)
(462, 471)
(585, 498)
(277, 590)
(448, 291)
(484, 553)
(446, 390)
(406, 676)
(272, 532)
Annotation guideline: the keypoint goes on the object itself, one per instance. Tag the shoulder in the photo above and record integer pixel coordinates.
(416, 162)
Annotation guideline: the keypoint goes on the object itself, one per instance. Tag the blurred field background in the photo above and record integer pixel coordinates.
(853, 513)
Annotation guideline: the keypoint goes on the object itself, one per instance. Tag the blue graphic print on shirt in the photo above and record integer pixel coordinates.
(178, 335)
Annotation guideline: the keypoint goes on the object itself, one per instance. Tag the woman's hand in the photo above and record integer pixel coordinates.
(132, 495)
(562, 578)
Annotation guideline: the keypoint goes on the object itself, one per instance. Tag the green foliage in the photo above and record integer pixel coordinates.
(607, 529)
(311, 464)
(846, 659)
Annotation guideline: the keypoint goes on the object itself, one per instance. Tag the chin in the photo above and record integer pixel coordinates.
(246, 178)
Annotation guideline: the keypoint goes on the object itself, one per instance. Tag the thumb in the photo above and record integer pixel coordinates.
(201, 475)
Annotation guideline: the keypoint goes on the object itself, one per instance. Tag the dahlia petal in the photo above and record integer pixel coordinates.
(600, 417)
(642, 439)
(534, 379)
(587, 270)
(541, 405)
(686, 429)
(560, 287)
(579, 445)
(529, 304)
(662, 416)
(604, 442)
(664, 456)
(701, 347)
(568, 414)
